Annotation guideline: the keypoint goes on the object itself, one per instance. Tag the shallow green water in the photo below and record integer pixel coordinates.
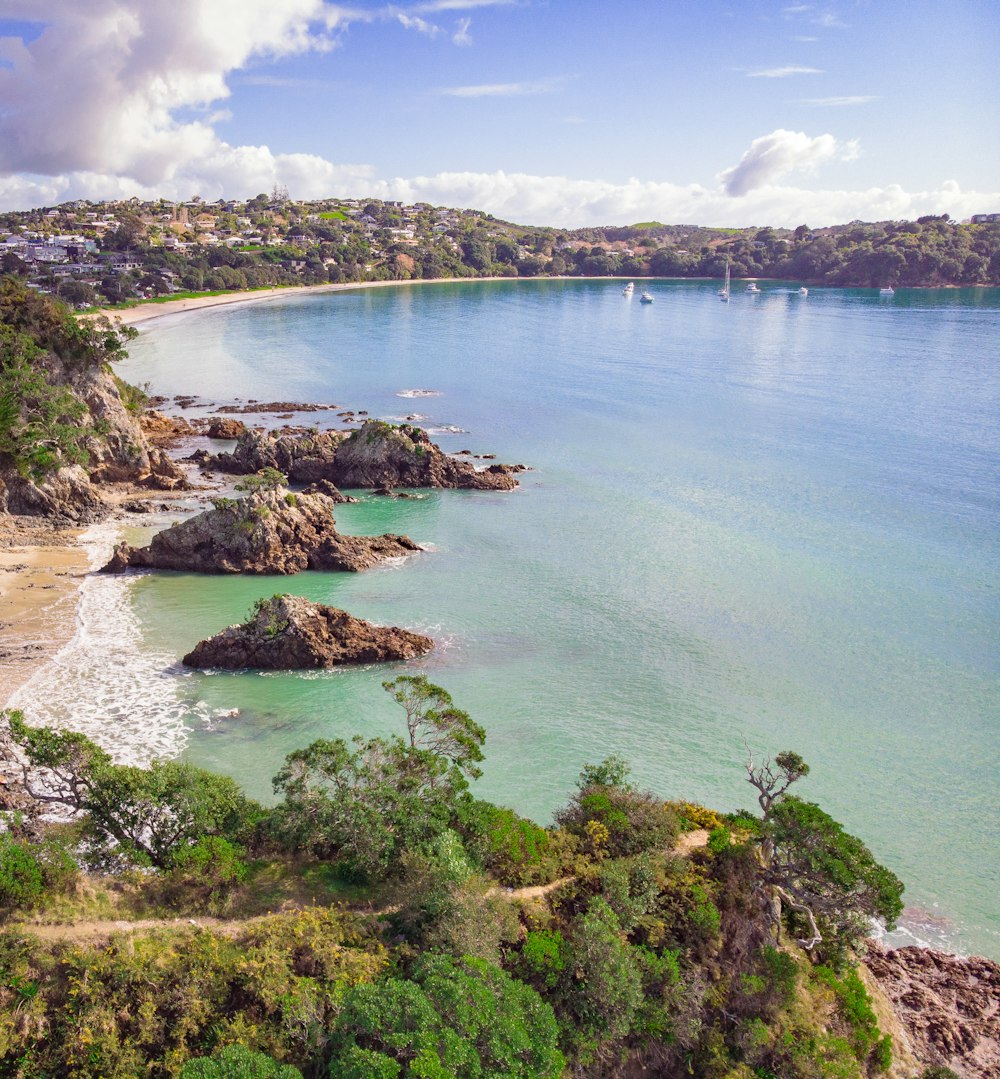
(774, 520)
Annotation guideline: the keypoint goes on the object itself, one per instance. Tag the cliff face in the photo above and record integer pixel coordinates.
(948, 1005)
(267, 532)
(64, 428)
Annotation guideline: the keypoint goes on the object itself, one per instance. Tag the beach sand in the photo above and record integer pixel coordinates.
(41, 570)
(143, 312)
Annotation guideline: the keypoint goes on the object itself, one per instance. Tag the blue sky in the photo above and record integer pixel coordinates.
(568, 112)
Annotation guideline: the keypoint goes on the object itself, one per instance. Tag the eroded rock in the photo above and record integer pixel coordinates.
(266, 532)
(291, 633)
(949, 1006)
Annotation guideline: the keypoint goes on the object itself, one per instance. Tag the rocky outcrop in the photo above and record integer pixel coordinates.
(948, 1005)
(267, 532)
(66, 497)
(226, 428)
(325, 487)
(291, 633)
(302, 458)
(377, 455)
(381, 455)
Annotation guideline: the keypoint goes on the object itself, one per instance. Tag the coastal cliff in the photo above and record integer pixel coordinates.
(67, 424)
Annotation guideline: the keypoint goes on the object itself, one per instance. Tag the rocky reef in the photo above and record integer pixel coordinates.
(948, 1005)
(377, 455)
(291, 633)
(271, 531)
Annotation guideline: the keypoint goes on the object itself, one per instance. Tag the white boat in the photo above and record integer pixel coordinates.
(628, 289)
(890, 291)
(803, 291)
(724, 291)
(645, 298)
(752, 287)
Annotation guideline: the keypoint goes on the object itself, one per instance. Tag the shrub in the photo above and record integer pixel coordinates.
(237, 1062)
(21, 878)
(515, 850)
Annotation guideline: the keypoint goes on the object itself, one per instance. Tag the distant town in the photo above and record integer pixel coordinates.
(115, 252)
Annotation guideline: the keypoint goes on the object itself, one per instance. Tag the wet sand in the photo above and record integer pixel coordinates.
(40, 577)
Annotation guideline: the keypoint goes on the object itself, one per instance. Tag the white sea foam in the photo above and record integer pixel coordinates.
(419, 393)
(447, 429)
(103, 683)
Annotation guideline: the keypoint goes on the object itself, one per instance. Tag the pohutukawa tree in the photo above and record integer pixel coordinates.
(814, 868)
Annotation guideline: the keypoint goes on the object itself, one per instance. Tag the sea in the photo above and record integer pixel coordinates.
(759, 525)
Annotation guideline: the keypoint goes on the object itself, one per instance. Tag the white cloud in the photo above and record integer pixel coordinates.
(460, 5)
(461, 36)
(125, 68)
(783, 72)
(773, 156)
(836, 102)
(414, 22)
(505, 89)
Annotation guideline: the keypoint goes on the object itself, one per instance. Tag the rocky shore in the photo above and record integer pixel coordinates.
(948, 1006)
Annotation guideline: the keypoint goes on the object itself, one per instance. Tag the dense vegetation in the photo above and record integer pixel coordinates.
(378, 923)
(269, 241)
(43, 349)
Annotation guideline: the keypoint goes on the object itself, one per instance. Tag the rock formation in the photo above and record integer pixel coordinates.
(377, 455)
(302, 458)
(266, 532)
(948, 1005)
(291, 633)
(381, 455)
(226, 428)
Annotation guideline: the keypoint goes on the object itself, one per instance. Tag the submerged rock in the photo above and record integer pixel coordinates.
(267, 532)
(291, 633)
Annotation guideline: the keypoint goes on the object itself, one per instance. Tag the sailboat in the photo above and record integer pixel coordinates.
(724, 291)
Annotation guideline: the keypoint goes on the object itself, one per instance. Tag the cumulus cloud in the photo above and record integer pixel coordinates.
(133, 109)
(125, 69)
(773, 156)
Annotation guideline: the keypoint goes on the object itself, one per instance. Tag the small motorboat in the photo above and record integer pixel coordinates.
(803, 291)
(628, 289)
(890, 291)
(645, 298)
(752, 287)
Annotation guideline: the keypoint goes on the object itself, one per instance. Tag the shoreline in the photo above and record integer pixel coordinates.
(149, 310)
(146, 312)
(41, 574)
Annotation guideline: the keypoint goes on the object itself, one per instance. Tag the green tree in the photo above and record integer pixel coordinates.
(820, 873)
(237, 1062)
(434, 723)
(456, 1017)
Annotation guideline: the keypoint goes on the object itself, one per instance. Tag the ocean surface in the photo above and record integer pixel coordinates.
(772, 523)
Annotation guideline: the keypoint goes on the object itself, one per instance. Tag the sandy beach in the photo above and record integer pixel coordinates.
(132, 316)
(40, 575)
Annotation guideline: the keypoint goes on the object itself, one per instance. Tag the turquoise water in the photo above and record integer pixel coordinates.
(773, 520)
